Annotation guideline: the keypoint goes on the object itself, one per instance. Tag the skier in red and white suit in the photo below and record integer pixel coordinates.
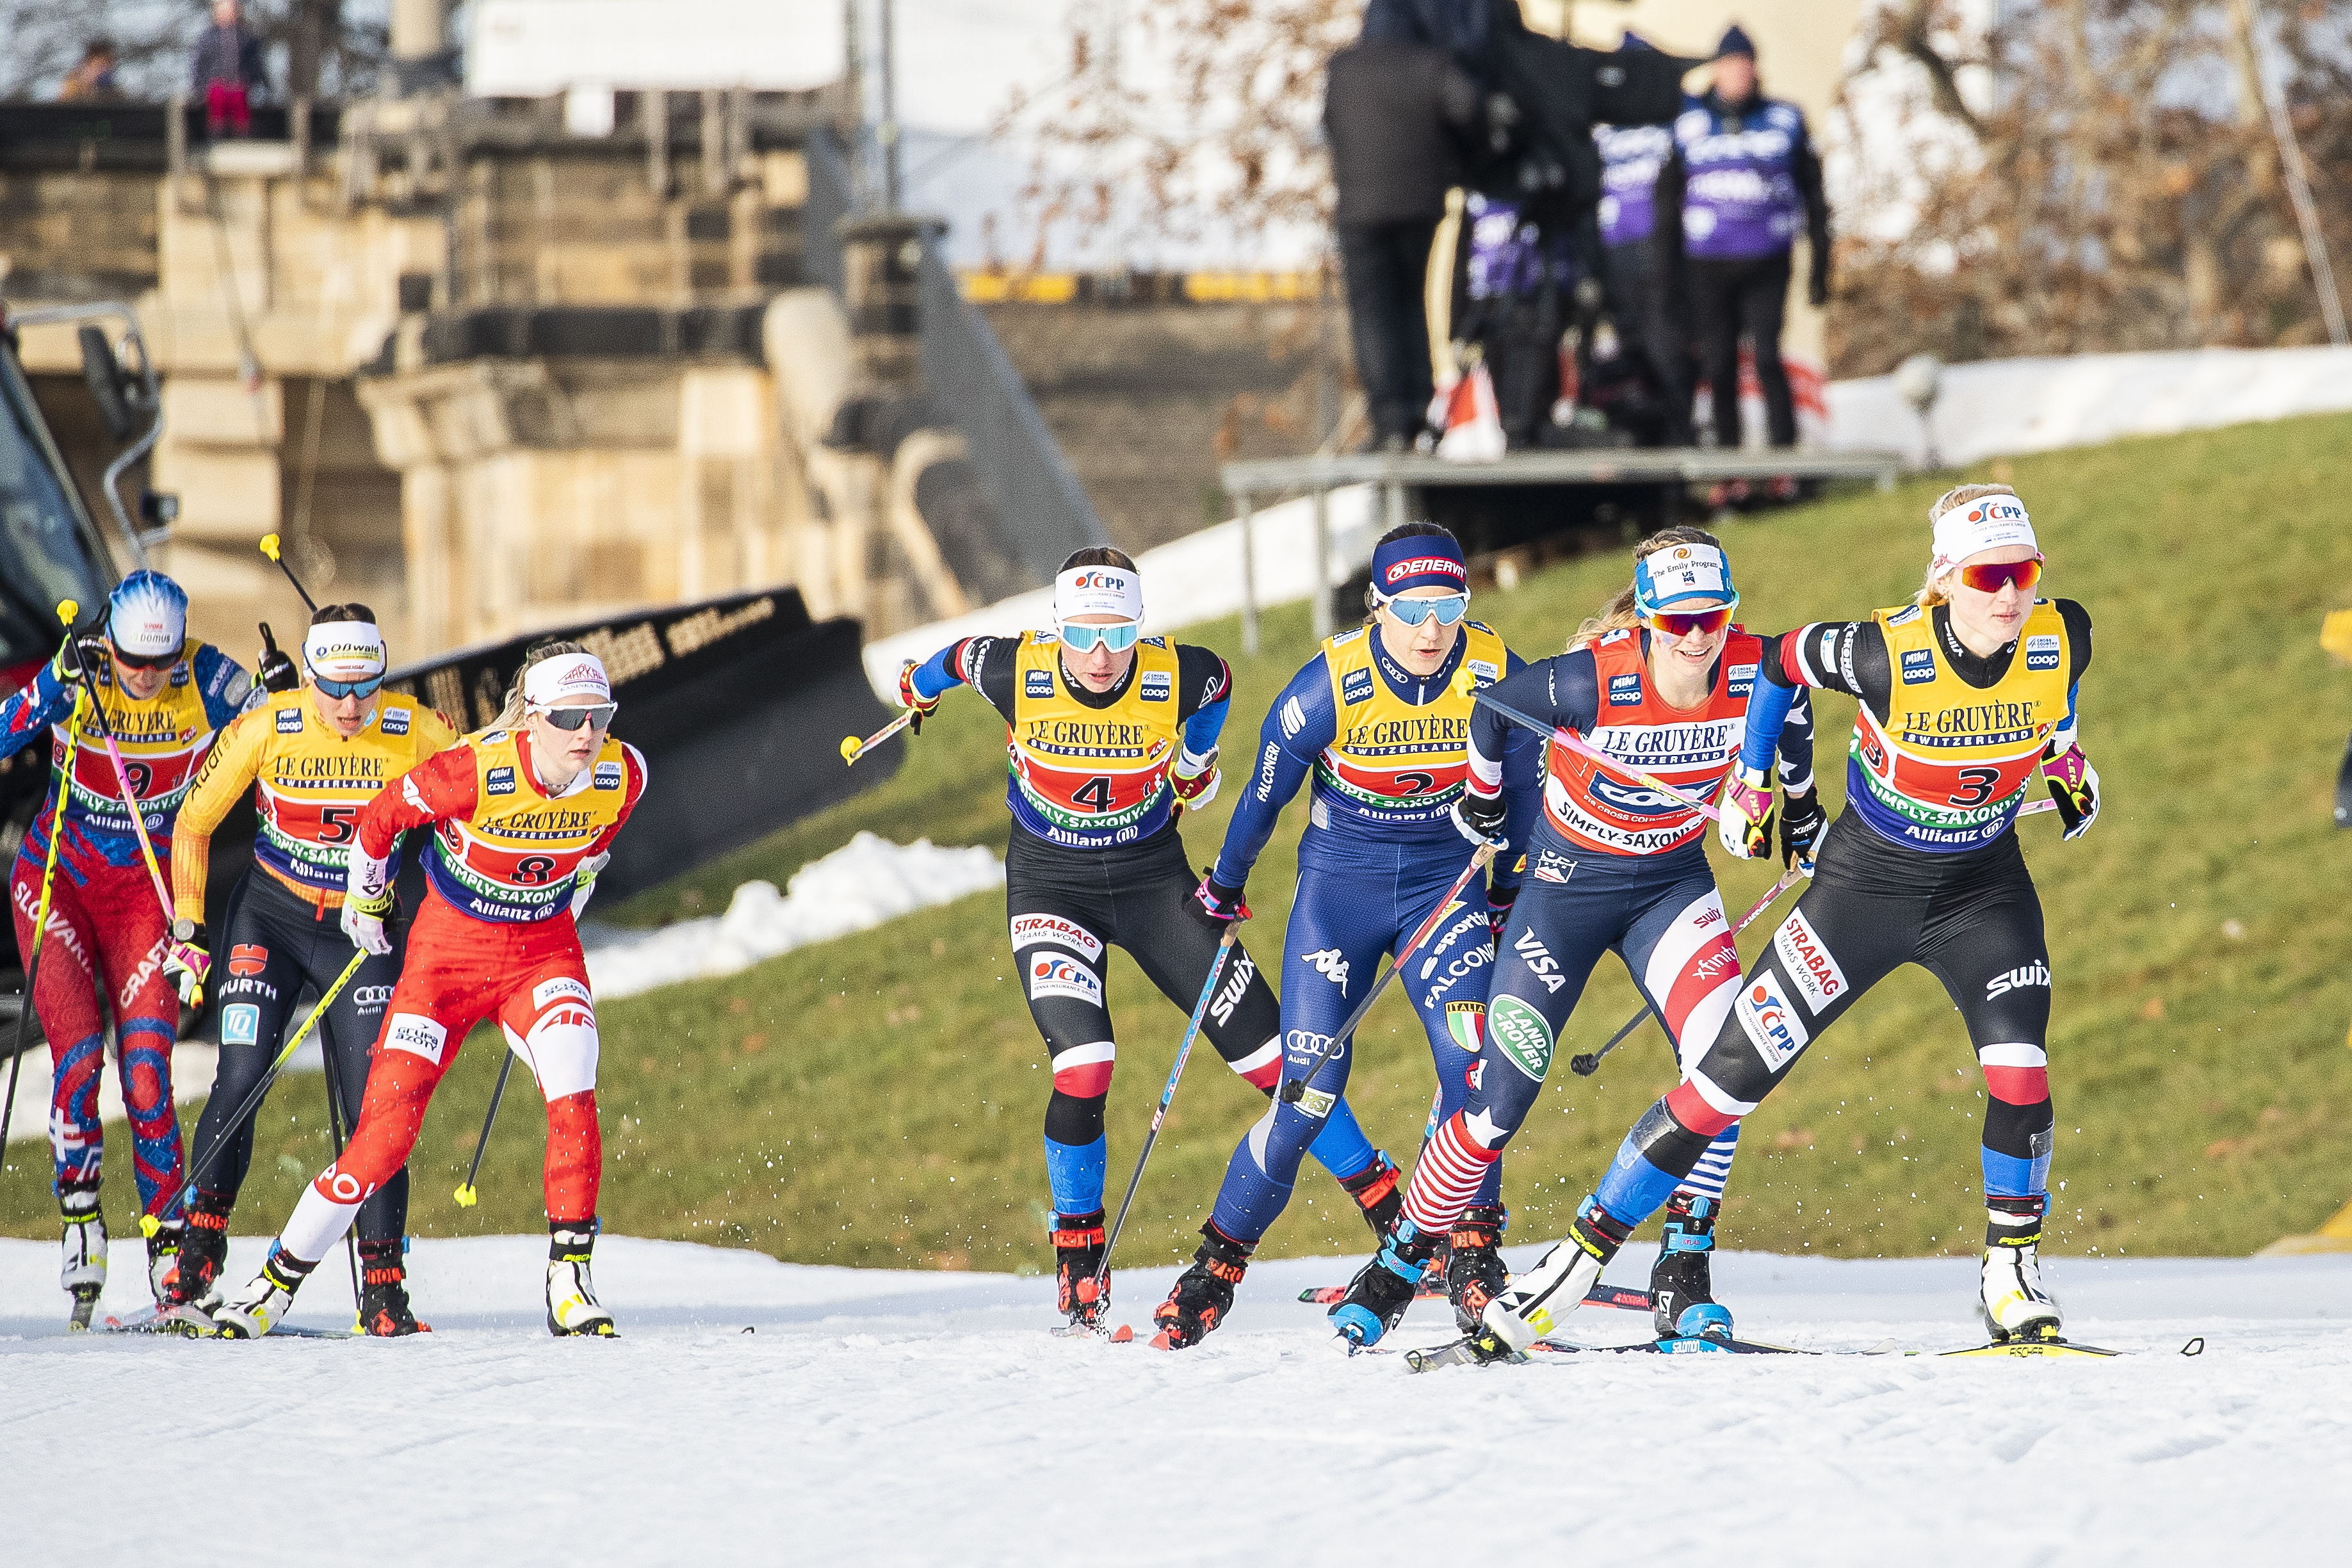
(523, 816)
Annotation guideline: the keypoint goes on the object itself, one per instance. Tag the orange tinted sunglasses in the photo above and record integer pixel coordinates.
(1993, 578)
(1680, 624)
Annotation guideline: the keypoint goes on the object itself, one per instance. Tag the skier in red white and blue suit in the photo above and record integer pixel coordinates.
(1381, 716)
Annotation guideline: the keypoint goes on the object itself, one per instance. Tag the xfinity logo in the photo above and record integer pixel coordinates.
(2034, 974)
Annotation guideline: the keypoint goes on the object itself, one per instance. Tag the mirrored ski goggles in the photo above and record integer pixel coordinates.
(143, 661)
(1993, 578)
(596, 716)
(1681, 623)
(341, 689)
(1449, 608)
(1080, 638)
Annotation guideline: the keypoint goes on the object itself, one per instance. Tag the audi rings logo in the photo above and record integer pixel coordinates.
(370, 997)
(344, 1188)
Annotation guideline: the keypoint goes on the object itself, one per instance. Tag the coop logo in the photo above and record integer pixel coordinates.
(1484, 673)
(1624, 691)
(1034, 930)
(1328, 963)
(1742, 680)
(290, 721)
(1770, 1022)
(1918, 666)
(369, 999)
(248, 958)
(1425, 566)
(1157, 687)
(1632, 798)
(417, 1035)
(1038, 683)
(1052, 977)
(1356, 687)
(1522, 1034)
(394, 721)
(1553, 866)
(2042, 652)
(241, 1024)
(1807, 958)
(2034, 974)
(499, 781)
(608, 776)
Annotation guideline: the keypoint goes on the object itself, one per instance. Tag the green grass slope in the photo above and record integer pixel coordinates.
(877, 1100)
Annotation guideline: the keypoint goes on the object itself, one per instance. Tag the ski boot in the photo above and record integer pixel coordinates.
(1531, 1305)
(83, 1269)
(1077, 1259)
(204, 1250)
(1203, 1293)
(164, 1261)
(1474, 1274)
(1383, 1288)
(266, 1300)
(2011, 1297)
(1378, 1193)
(384, 1292)
(1682, 1294)
(572, 1308)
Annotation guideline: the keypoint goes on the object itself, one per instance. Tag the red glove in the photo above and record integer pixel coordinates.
(1194, 791)
(909, 698)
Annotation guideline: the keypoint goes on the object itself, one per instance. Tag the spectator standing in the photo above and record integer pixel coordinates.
(228, 71)
(1643, 280)
(1742, 180)
(1393, 115)
(92, 81)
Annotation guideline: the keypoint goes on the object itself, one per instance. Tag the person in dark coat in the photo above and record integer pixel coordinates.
(228, 70)
(1740, 183)
(1394, 114)
(1643, 280)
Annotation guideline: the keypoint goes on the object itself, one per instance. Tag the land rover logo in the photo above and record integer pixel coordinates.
(1522, 1033)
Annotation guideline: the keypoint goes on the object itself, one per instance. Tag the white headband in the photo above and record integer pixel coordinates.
(1989, 522)
(1097, 590)
(345, 649)
(566, 675)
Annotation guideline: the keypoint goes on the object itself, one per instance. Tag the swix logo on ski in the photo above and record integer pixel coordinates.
(1423, 566)
(1356, 687)
(290, 721)
(1553, 866)
(2034, 974)
(500, 781)
(1038, 683)
(1031, 930)
(1540, 964)
(1809, 962)
(1052, 977)
(2042, 652)
(1237, 983)
(1918, 666)
(1328, 963)
(248, 958)
(417, 1035)
(1625, 691)
(1771, 1023)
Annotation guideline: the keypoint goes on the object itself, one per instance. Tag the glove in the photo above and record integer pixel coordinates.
(1217, 905)
(185, 964)
(908, 697)
(1743, 814)
(1498, 909)
(1479, 818)
(367, 902)
(278, 671)
(1194, 791)
(1802, 821)
(2074, 786)
(584, 881)
(81, 653)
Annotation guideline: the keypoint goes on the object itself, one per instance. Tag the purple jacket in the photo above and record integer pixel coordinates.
(1631, 158)
(1741, 194)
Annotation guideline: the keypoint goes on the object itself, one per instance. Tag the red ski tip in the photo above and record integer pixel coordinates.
(1123, 1334)
(1160, 1340)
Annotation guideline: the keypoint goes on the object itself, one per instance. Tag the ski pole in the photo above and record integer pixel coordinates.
(41, 913)
(1294, 1090)
(1568, 739)
(467, 1196)
(335, 1126)
(269, 549)
(149, 1224)
(1160, 1112)
(852, 749)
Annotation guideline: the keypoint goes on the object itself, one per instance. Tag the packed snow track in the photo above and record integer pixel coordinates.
(760, 1412)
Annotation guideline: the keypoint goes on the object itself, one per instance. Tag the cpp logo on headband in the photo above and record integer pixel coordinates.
(1106, 581)
(1998, 509)
(1423, 566)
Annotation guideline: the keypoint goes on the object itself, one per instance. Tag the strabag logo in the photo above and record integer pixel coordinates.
(1052, 977)
(1918, 666)
(1032, 930)
(1770, 1022)
(1817, 976)
(2042, 652)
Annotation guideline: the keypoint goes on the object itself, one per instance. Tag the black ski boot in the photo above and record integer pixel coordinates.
(82, 1243)
(163, 1262)
(1378, 1193)
(1474, 1274)
(1682, 1292)
(1381, 1289)
(1203, 1293)
(384, 1292)
(204, 1251)
(1077, 1259)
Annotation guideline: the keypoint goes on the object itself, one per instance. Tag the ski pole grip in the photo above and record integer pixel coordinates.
(269, 546)
(68, 611)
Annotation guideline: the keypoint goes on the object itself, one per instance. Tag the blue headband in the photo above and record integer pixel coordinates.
(1677, 572)
(1419, 560)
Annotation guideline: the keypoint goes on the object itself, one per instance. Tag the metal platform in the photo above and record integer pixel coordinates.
(1320, 475)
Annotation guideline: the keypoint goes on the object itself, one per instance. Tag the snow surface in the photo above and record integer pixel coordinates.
(858, 886)
(899, 1417)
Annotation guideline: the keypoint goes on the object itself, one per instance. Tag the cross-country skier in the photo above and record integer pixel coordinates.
(313, 757)
(162, 697)
(523, 816)
(1659, 680)
(1111, 736)
(1967, 693)
(1381, 716)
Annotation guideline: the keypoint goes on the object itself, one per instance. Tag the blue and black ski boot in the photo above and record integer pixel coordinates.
(1682, 1294)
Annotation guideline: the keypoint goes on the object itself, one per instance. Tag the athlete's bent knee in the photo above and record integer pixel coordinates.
(1083, 1072)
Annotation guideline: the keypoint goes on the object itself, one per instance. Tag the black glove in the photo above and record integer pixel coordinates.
(1802, 821)
(84, 654)
(1214, 904)
(1479, 818)
(278, 671)
(1498, 908)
